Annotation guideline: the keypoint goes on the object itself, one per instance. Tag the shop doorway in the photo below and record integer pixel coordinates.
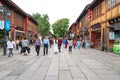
(19, 34)
(96, 39)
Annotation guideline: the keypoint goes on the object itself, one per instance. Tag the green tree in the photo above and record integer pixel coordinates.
(60, 27)
(43, 23)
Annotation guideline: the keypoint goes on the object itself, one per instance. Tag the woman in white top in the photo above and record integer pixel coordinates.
(10, 46)
(55, 45)
(70, 45)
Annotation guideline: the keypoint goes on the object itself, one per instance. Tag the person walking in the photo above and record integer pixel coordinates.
(74, 43)
(37, 46)
(66, 43)
(55, 45)
(17, 44)
(70, 45)
(50, 41)
(25, 46)
(31, 42)
(10, 46)
(78, 44)
(83, 43)
(45, 43)
(20, 44)
(59, 44)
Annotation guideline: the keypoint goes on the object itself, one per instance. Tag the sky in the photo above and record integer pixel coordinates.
(56, 9)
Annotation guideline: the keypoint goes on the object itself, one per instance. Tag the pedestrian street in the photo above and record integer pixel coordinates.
(90, 64)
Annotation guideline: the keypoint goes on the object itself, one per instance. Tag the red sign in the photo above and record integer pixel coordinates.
(90, 14)
(26, 21)
(26, 25)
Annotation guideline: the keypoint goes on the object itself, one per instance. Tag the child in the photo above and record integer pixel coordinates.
(74, 43)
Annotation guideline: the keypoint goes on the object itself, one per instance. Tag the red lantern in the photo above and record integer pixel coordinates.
(89, 13)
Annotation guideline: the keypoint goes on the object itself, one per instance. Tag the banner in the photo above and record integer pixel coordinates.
(7, 27)
(2, 25)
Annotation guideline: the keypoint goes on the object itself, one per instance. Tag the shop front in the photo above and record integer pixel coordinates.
(96, 36)
(114, 34)
(18, 33)
(86, 36)
(29, 35)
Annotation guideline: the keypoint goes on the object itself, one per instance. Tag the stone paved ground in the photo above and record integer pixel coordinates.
(90, 64)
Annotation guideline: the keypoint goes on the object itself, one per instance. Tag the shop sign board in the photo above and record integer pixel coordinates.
(114, 20)
(96, 26)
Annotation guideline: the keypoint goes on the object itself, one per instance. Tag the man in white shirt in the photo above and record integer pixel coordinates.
(45, 43)
(37, 46)
(10, 46)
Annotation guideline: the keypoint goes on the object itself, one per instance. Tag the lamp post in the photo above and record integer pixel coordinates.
(5, 13)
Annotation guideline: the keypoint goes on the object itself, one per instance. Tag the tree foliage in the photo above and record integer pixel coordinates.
(43, 23)
(60, 27)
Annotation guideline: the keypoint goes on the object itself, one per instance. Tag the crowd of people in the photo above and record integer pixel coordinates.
(66, 43)
(24, 45)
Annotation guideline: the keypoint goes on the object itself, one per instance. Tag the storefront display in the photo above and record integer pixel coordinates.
(97, 40)
(116, 46)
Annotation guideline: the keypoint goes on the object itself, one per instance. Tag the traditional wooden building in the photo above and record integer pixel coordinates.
(72, 30)
(104, 23)
(83, 24)
(21, 23)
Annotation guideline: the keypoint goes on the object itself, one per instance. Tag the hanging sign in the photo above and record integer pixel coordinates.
(1, 25)
(71, 35)
(7, 27)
